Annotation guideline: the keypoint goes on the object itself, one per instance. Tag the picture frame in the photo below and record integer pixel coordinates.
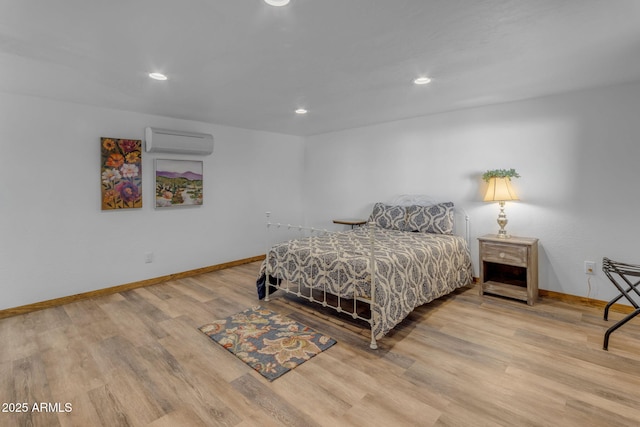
(121, 173)
(178, 182)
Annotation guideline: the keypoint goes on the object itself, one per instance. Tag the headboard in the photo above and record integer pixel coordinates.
(413, 199)
(461, 216)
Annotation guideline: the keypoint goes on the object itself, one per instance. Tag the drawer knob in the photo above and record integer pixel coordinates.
(501, 254)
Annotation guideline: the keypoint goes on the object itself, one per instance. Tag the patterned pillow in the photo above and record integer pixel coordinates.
(430, 219)
(390, 217)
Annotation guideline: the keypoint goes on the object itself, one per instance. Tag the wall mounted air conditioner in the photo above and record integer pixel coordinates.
(174, 141)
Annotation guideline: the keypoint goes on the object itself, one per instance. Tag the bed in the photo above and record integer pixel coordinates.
(407, 255)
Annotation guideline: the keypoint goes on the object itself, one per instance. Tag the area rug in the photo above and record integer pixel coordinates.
(270, 343)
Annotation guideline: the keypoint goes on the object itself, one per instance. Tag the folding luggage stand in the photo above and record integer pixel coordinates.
(625, 273)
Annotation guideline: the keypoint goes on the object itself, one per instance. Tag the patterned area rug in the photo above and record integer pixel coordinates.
(270, 343)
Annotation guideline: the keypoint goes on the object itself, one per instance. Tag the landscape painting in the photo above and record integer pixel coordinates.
(121, 173)
(178, 183)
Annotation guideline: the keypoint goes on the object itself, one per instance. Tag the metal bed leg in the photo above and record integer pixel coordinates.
(372, 273)
(266, 259)
(267, 283)
(374, 344)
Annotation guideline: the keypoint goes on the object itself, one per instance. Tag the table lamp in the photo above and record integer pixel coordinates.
(500, 190)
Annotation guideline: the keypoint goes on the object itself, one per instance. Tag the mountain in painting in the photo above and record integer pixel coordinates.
(191, 176)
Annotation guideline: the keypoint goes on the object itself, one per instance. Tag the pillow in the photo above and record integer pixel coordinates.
(436, 219)
(390, 217)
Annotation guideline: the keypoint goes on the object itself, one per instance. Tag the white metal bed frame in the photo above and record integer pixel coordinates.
(405, 200)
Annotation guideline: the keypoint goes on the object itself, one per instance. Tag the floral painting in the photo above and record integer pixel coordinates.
(121, 173)
(178, 183)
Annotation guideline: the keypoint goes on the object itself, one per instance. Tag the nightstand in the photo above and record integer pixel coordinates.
(351, 222)
(509, 267)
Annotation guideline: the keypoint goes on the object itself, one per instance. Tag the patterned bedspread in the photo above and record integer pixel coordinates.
(411, 268)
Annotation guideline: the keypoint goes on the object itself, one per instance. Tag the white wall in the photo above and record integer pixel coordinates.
(55, 240)
(578, 155)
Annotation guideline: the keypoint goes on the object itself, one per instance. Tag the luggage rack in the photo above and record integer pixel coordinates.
(622, 276)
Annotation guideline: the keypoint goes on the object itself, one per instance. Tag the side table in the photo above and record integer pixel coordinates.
(509, 267)
(351, 222)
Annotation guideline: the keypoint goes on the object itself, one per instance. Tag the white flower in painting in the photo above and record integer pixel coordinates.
(110, 175)
(129, 171)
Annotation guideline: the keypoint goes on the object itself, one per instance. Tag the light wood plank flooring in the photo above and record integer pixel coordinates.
(137, 359)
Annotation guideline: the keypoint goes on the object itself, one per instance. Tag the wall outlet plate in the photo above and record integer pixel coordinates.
(589, 267)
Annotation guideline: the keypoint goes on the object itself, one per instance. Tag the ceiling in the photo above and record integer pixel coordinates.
(349, 62)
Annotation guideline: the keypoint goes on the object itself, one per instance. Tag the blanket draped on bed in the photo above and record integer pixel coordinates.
(411, 269)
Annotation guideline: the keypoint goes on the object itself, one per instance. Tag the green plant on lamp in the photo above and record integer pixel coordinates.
(500, 190)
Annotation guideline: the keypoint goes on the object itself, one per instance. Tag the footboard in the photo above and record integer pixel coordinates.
(325, 270)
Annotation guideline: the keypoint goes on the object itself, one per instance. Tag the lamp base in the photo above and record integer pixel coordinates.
(502, 222)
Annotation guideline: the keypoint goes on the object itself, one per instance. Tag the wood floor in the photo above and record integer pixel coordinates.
(137, 359)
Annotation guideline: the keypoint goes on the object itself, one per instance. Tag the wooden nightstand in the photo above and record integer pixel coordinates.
(509, 267)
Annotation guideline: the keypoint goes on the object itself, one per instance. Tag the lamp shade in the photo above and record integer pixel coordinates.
(500, 190)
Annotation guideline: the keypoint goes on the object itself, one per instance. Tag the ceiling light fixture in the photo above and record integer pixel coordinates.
(277, 3)
(422, 80)
(157, 76)
(301, 111)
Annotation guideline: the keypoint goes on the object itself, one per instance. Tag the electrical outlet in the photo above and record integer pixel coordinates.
(589, 267)
(148, 257)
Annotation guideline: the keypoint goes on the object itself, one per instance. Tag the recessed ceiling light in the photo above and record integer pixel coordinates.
(277, 2)
(301, 111)
(157, 76)
(422, 80)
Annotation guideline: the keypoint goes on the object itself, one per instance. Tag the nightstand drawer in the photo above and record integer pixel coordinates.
(504, 254)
